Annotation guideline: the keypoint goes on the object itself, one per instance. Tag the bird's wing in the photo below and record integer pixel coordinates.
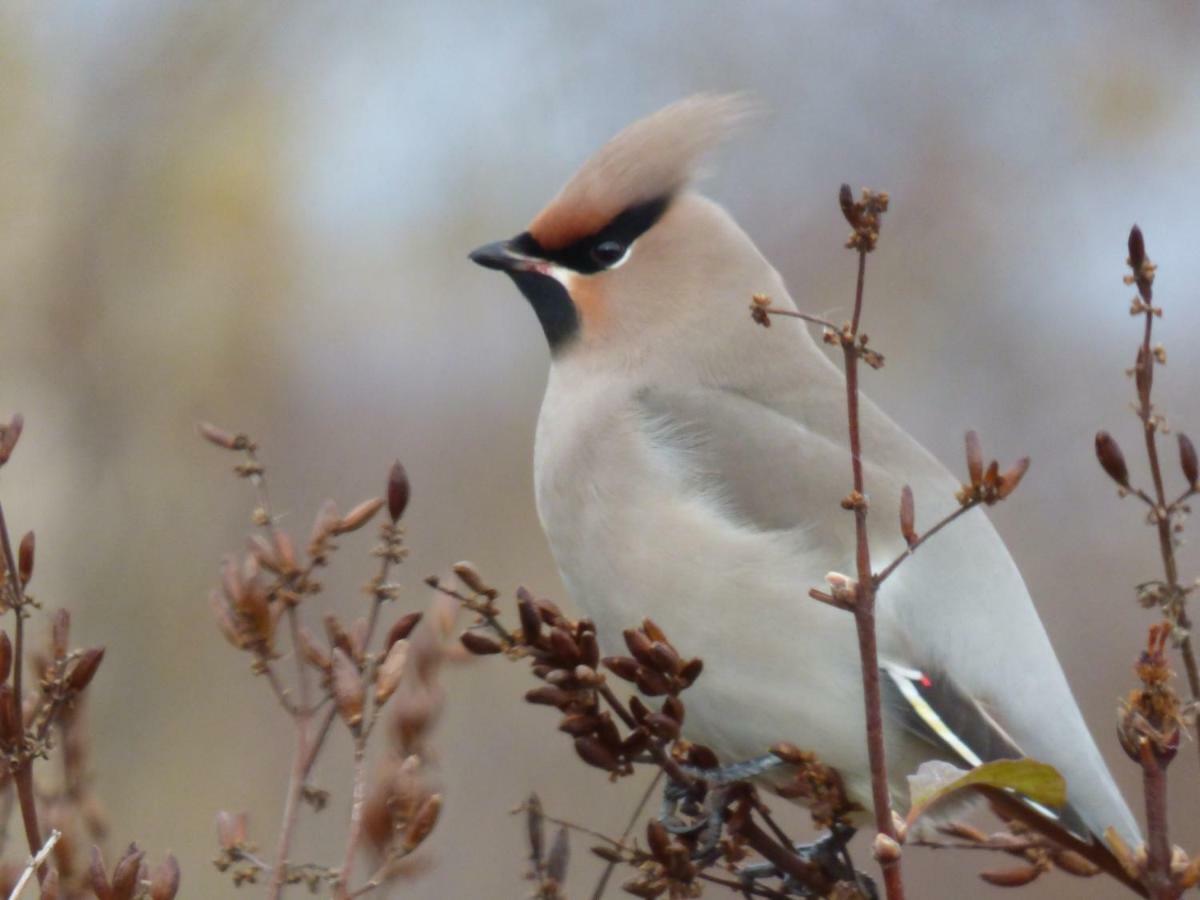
(958, 608)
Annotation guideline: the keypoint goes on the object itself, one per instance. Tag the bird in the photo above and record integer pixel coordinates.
(689, 467)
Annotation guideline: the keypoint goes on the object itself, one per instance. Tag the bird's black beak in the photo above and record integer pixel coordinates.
(499, 256)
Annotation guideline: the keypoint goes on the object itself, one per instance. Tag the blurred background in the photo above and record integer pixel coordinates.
(258, 214)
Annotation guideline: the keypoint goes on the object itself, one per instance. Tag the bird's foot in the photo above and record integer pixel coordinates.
(830, 853)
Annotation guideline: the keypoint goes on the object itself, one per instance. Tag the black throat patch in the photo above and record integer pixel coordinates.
(552, 305)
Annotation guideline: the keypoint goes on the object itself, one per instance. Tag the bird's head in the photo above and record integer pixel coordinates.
(626, 256)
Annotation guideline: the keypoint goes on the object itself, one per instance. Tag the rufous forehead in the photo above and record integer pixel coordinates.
(556, 227)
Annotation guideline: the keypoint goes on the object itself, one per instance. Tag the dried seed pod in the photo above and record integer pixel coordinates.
(125, 874)
(1074, 864)
(387, 677)
(1009, 480)
(9, 435)
(589, 648)
(531, 619)
(654, 632)
(652, 683)
(85, 668)
(907, 516)
(560, 852)
(98, 876)
(563, 646)
(347, 688)
(317, 656)
(691, 671)
(337, 635)
(662, 726)
(535, 826)
(579, 724)
(402, 628)
(25, 558)
(359, 516)
(60, 634)
(607, 733)
(974, 458)
(469, 575)
(548, 695)
(1018, 877)
(625, 667)
(398, 491)
(1137, 248)
(421, 825)
(1188, 462)
(594, 753)
(231, 829)
(638, 709)
(50, 886)
(608, 854)
(637, 741)
(639, 645)
(658, 839)
(666, 660)
(222, 438)
(702, 757)
(849, 209)
(673, 707)
(480, 643)
(1112, 460)
(164, 879)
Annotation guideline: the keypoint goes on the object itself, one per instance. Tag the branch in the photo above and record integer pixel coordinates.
(34, 864)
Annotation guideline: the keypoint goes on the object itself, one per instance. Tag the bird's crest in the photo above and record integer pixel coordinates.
(652, 158)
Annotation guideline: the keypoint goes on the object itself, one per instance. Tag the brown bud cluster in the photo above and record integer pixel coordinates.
(1150, 718)
(668, 869)
(816, 785)
(131, 876)
(864, 215)
(988, 484)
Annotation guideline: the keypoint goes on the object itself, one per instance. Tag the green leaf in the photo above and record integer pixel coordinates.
(936, 782)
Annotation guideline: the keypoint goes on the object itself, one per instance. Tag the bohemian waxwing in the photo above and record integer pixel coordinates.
(689, 467)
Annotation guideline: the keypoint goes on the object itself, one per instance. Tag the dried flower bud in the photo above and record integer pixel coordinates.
(1018, 877)
(662, 726)
(359, 516)
(691, 671)
(1008, 482)
(480, 643)
(531, 619)
(347, 688)
(639, 645)
(1187, 460)
(125, 874)
(594, 753)
(535, 826)
(1112, 460)
(9, 435)
(402, 628)
(318, 657)
(398, 491)
(846, 202)
(222, 438)
(548, 695)
(60, 633)
(1074, 864)
(974, 458)
(98, 876)
(421, 825)
(652, 683)
(231, 829)
(469, 575)
(85, 668)
(658, 839)
(285, 552)
(563, 646)
(1137, 248)
(50, 885)
(560, 852)
(323, 525)
(25, 558)
(907, 515)
(387, 678)
(579, 724)
(164, 880)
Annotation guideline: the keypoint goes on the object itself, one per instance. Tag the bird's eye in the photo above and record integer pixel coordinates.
(607, 253)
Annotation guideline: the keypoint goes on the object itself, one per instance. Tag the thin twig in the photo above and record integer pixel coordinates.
(637, 814)
(34, 864)
(895, 563)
